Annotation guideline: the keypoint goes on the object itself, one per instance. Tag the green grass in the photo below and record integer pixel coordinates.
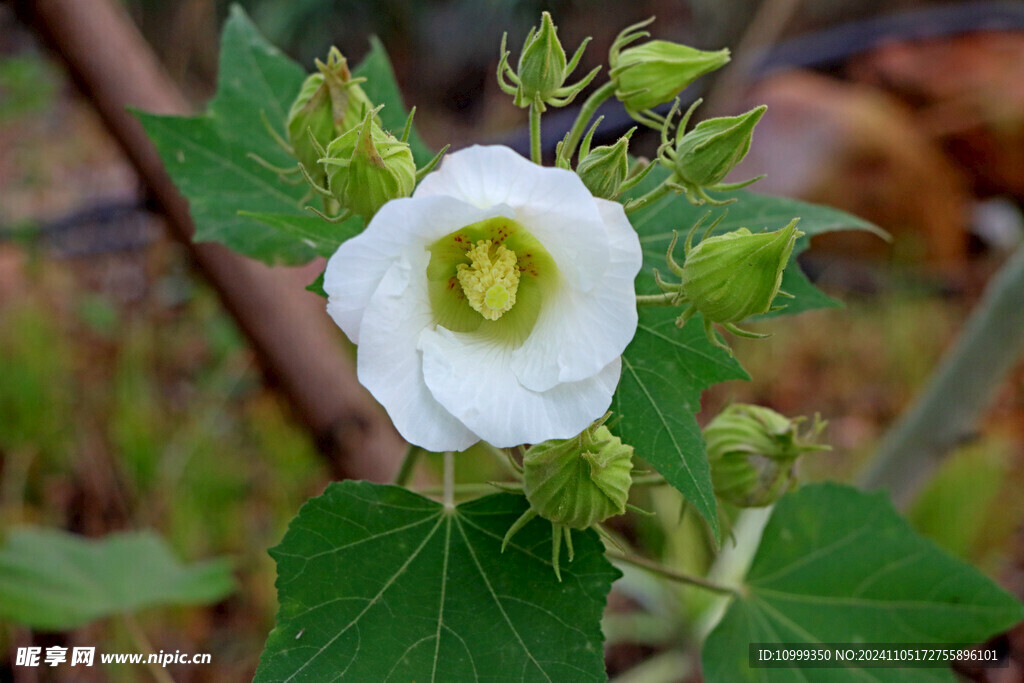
(166, 403)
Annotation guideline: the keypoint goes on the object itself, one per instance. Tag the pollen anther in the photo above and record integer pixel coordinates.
(490, 279)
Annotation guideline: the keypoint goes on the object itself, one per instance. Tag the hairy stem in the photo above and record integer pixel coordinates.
(654, 479)
(656, 299)
(671, 574)
(535, 151)
(645, 200)
(405, 470)
(449, 480)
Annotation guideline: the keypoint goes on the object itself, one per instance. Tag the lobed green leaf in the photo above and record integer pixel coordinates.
(837, 565)
(378, 583)
(234, 199)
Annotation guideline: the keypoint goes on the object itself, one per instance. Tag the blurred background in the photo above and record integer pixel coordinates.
(129, 398)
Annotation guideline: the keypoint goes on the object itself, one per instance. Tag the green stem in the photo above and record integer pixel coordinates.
(535, 152)
(504, 457)
(460, 490)
(595, 100)
(654, 479)
(671, 574)
(652, 196)
(448, 496)
(408, 465)
(732, 563)
(656, 299)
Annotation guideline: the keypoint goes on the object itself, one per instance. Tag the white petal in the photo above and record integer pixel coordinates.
(552, 203)
(389, 364)
(401, 226)
(578, 333)
(474, 380)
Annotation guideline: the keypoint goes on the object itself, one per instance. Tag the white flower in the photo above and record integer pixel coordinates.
(493, 304)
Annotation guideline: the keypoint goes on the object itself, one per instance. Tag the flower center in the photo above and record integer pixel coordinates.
(491, 279)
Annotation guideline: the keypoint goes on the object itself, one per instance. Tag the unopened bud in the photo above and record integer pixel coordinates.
(706, 154)
(368, 167)
(329, 103)
(653, 73)
(579, 482)
(731, 277)
(753, 452)
(604, 169)
(540, 78)
(542, 63)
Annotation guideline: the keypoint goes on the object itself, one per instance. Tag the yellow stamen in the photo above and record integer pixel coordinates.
(490, 280)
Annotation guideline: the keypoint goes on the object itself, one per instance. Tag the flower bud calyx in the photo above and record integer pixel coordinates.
(753, 452)
(575, 483)
(653, 73)
(329, 104)
(542, 70)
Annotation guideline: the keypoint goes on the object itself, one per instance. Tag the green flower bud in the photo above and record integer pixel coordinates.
(753, 452)
(368, 167)
(329, 103)
(579, 482)
(540, 77)
(655, 72)
(705, 155)
(542, 65)
(604, 169)
(733, 276)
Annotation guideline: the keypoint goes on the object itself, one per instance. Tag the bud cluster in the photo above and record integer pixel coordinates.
(334, 133)
(329, 103)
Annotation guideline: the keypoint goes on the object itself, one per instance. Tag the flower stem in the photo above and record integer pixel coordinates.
(405, 470)
(652, 196)
(461, 490)
(671, 574)
(535, 153)
(583, 118)
(668, 299)
(504, 458)
(449, 480)
(653, 479)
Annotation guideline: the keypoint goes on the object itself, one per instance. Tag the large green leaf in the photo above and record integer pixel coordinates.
(665, 370)
(837, 565)
(378, 583)
(53, 580)
(209, 157)
(320, 235)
